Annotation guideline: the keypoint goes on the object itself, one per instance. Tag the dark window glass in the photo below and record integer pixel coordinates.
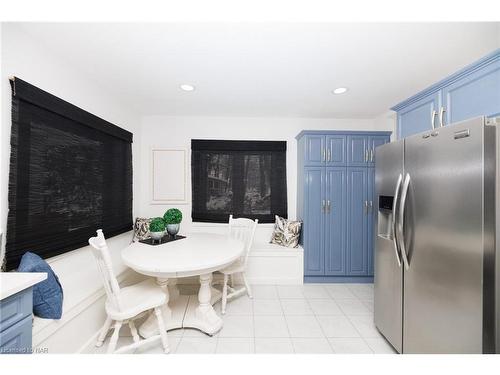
(243, 178)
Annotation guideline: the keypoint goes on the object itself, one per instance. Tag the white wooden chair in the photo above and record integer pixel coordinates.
(124, 305)
(244, 230)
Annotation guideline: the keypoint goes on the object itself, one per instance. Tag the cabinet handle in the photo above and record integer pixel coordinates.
(371, 155)
(366, 207)
(371, 206)
(366, 155)
(329, 157)
(441, 116)
(324, 155)
(323, 206)
(328, 206)
(433, 119)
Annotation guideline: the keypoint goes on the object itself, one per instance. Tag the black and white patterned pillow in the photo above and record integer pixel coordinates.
(141, 229)
(286, 232)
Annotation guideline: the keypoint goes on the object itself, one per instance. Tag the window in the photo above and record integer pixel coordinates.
(70, 174)
(243, 178)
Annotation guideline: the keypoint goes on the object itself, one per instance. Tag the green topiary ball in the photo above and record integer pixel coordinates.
(173, 216)
(157, 225)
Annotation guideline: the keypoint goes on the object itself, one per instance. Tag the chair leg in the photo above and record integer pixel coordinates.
(114, 337)
(104, 332)
(232, 280)
(224, 295)
(133, 330)
(247, 285)
(163, 332)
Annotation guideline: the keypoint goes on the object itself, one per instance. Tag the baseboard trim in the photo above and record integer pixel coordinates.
(338, 279)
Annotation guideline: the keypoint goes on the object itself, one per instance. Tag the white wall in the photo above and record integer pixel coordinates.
(177, 132)
(30, 61)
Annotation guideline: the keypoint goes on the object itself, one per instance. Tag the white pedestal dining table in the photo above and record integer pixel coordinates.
(199, 254)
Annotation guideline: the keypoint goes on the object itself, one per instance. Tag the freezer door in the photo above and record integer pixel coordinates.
(388, 271)
(444, 240)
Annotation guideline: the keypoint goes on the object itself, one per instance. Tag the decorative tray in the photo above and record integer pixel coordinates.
(166, 238)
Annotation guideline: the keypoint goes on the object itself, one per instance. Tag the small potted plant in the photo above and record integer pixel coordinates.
(157, 228)
(173, 218)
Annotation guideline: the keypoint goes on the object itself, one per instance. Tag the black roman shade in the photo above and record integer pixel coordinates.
(70, 174)
(243, 178)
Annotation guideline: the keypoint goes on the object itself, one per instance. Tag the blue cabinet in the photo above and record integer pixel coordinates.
(371, 219)
(476, 94)
(335, 220)
(357, 154)
(357, 221)
(323, 150)
(314, 150)
(335, 203)
(336, 150)
(16, 323)
(314, 183)
(471, 92)
(419, 116)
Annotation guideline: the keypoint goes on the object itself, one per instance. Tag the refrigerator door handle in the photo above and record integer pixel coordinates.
(402, 205)
(394, 228)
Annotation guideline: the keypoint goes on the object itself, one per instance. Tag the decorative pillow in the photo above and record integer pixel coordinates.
(286, 232)
(48, 294)
(141, 229)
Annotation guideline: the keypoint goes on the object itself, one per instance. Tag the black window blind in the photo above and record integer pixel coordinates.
(243, 178)
(70, 174)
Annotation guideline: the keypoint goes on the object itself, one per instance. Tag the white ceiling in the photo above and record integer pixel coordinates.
(285, 70)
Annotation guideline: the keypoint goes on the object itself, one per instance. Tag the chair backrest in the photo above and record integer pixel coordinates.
(243, 229)
(103, 260)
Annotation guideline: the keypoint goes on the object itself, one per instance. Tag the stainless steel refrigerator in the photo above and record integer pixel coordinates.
(436, 260)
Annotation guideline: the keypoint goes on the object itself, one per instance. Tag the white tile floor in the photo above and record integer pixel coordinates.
(311, 318)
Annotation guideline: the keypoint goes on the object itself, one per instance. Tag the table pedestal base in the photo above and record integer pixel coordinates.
(186, 311)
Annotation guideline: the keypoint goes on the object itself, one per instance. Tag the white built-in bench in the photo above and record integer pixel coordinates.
(268, 263)
(273, 264)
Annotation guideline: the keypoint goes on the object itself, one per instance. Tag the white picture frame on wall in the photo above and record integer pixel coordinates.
(168, 176)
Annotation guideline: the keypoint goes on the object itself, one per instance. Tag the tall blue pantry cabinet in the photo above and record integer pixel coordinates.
(335, 202)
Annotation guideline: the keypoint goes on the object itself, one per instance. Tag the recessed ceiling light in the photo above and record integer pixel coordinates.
(186, 87)
(340, 90)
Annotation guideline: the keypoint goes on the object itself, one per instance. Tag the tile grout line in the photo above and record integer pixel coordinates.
(320, 327)
(286, 322)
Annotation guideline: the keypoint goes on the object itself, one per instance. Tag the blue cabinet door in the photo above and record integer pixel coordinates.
(477, 94)
(314, 184)
(357, 150)
(335, 221)
(17, 338)
(417, 117)
(371, 219)
(357, 211)
(315, 150)
(373, 143)
(336, 150)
